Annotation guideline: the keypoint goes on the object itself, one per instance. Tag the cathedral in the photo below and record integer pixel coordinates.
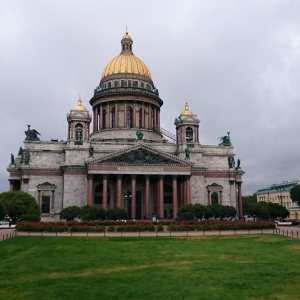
(119, 156)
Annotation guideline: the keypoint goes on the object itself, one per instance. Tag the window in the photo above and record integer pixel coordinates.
(78, 132)
(46, 196)
(104, 119)
(214, 198)
(109, 85)
(189, 134)
(140, 118)
(135, 84)
(116, 83)
(129, 117)
(113, 117)
(129, 83)
(142, 84)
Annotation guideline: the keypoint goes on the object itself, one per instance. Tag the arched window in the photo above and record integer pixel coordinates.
(78, 132)
(46, 196)
(214, 198)
(104, 119)
(113, 117)
(129, 117)
(189, 134)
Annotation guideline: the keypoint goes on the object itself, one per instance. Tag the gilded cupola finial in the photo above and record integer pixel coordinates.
(79, 105)
(187, 110)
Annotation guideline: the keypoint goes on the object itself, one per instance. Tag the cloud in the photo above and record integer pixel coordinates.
(235, 62)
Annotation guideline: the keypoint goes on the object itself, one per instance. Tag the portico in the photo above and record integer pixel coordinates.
(149, 183)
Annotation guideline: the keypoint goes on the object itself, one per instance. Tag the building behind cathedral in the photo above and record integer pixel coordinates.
(119, 156)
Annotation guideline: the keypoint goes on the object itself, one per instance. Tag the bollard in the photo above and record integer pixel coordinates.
(292, 233)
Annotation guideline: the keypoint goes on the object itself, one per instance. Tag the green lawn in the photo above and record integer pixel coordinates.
(224, 267)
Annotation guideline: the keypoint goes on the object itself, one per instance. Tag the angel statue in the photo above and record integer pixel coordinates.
(31, 134)
(225, 140)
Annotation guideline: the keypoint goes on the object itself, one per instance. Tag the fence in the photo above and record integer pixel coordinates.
(284, 232)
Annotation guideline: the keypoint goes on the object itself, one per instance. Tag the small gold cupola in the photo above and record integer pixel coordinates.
(79, 105)
(186, 111)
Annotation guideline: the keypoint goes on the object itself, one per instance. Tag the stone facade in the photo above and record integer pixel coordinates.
(126, 160)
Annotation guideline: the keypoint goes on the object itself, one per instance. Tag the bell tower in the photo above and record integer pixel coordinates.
(79, 121)
(187, 127)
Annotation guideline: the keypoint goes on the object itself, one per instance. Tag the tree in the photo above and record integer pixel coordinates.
(2, 212)
(70, 213)
(295, 194)
(278, 211)
(249, 204)
(18, 203)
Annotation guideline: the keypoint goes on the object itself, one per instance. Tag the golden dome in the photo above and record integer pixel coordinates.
(79, 105)
(126, 62)
(186, 111)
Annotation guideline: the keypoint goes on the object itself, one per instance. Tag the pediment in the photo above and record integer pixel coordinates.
(140, 155)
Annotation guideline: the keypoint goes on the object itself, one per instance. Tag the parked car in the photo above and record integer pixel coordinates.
(248, 218)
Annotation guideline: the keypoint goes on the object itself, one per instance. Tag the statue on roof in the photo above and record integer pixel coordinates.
(91, 151)
(225, 140)
(187, 153)
(139, 134)
(12, 159)
(20, 153)
(31, 134)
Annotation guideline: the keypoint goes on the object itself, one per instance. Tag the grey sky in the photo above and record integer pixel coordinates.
(236, 62)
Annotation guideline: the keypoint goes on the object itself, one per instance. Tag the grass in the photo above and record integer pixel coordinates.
(223, 267)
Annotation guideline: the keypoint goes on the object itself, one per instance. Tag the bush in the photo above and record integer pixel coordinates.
(117, 214)
(30, 218)
(70, 213)
(90, 213)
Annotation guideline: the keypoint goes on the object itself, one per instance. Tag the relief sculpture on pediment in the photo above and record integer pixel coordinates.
(139, 157)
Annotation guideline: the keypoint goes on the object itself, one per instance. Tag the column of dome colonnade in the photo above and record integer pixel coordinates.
(180, 193)
(126, 99)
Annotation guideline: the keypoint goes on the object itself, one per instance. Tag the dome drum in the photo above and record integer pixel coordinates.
(126, 135)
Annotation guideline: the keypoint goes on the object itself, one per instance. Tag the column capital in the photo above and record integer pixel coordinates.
(89, 176)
